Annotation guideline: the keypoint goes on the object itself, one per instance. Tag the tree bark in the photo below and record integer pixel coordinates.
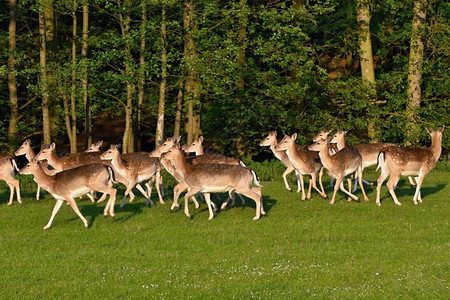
(179, 110)
(415, 73)
(366, 60)
(191, 85)
(43, 78)
(12, 84)
(84, 80)
(162, 86)
(72, 120)
(141, 84)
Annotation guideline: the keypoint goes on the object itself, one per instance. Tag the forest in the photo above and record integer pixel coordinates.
(137, 71)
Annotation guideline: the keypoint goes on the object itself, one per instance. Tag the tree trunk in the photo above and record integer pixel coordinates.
(84, 80)
(128, 139)
(179, 109)
(191, 84)
(366, 60)
(43, 78)
(415, 73)
(162, 86)
(12, 84)
(141, 84)
(72, 120)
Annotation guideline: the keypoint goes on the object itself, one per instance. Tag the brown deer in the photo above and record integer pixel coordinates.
(69, 184)
(343, 163)
(8, 168)
(95, 147)
(271, 141)
(216, 178)
(201, 158)
(369, 153)
(306, 162)
(396, 161)
(139, 170)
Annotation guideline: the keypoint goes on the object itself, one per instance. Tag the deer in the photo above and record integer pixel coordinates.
(345, 162)
(305, 162)
(95, 147)
(396, 161)
(8, 168)
(140, 170)
(69, 184)
(201, 158)
(72, 160)
(271, 141)
(216, 178)
(369, 153)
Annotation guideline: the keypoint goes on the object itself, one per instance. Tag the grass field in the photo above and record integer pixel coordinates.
(302, 249)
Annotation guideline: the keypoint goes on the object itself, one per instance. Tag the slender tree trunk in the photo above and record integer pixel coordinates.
(84, 80)
(12, 84)
(415, 73)
(43, 78)
(127, 140)
(72, 120)
(162, 86)
(141, 84)
(177, 126)
(366, 60)
(191, 84)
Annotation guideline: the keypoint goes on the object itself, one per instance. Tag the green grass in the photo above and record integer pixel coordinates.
(302, 249)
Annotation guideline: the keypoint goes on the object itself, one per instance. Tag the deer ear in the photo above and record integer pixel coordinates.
(294, 136)
(99, 143)
(52, 146)
(200, 139)
(441, 129)
(275, 133)
(177, 146)
(429, 131)
(177, 139)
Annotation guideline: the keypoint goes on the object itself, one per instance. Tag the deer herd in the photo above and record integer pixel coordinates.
(73, 175)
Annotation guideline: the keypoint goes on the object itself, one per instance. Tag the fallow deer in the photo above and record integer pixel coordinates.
(140, 170)
(343, 163)
(306, 162)
(8, 168)
(69, 184)
(216, 178)
(95, 147)
(396, 161)
(271, 141)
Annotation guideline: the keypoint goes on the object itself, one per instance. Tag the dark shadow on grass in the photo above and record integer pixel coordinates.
(404, 189)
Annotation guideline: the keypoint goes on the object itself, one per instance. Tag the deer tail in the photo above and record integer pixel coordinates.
(255, 178)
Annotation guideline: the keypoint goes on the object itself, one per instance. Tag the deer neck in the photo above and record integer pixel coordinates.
(278, 153)
(180, 164)
(291, 150)
(341, 144)
(55, 161)
(44, 180)
(325, 157)
(29, 154)
(118, 164)
(199, 151)
(436, 146)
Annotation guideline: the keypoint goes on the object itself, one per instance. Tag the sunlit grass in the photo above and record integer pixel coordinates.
(302, 249)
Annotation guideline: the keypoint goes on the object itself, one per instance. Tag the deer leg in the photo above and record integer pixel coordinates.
(336, 187)
(11, 193)
(158, 190)
(90, 197)
(74, 206)
(58, 204)
(189, 194)
(342, 188)
(102, 198)
(321, 183)
(349, 182)
(208, 202)
(288, 170)
(420, 193)
(149, 201)
(128, 191)
(181, 186)
(242, 199)
(255, 194)
(384, 174)
(392, 182)
(303, 187)
(411, 181)
(359, 175)
(297, 176)
(314, 185)
(37, 192)
(417, 195)
(308, 195)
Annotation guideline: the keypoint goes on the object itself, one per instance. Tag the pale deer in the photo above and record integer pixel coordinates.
(369, 153)
(8, 168)
(95, 147)
(396, 161)
(139, 170)
(343, 163)
(72, 160)
(201, 158)
(69, 184)
(271, 141)
(306, 162)
(216, 178)
(25, 149)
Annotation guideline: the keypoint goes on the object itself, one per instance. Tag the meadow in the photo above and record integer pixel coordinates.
(301, 249)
